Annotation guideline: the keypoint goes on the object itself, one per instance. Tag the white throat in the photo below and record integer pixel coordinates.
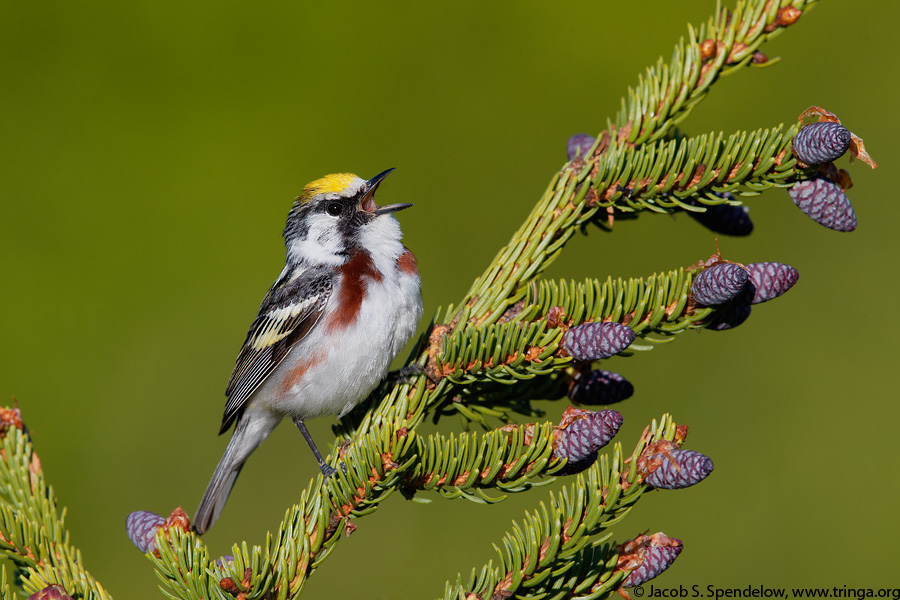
(381, 238)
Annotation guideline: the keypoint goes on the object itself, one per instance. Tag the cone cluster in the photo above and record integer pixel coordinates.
(766, 281)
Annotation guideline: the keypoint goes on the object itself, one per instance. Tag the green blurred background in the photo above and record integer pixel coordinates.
(150, 152)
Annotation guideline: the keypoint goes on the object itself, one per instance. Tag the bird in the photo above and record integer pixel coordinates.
(346, 303)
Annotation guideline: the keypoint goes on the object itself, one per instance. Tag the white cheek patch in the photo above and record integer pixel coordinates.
(322, 244)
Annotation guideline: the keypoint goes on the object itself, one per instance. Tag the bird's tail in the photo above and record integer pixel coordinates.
(247, 437)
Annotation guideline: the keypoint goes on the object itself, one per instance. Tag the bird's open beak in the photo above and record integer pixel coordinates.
(368, 203)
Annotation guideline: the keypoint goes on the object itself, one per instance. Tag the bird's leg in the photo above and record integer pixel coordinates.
(327, 470)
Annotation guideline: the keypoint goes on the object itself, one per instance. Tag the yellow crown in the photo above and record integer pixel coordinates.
(330, 184)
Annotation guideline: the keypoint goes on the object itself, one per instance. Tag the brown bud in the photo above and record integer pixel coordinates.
(555, 316)
(51, 592)
(787, 15)
(229, 586)
(759, 58)
(178, 519)
(707, 49)
(10, 417)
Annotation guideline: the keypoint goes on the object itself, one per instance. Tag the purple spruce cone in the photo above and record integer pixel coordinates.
(770, 280)
(726, 219)
(594, 341)
(728, 317)
(824, 202)
(579, 145)
(223, 561)
(657, 558)
(581, 434)
(820, 143)
(692, 468)
(719, 283)
(141, 526)
(600, 388)
(51, 592)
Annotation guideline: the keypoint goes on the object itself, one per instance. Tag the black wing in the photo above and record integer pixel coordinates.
(288, 312)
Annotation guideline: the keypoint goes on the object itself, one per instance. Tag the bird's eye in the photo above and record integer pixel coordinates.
(334, 208)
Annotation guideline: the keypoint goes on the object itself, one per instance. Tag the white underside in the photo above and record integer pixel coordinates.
(350, 362)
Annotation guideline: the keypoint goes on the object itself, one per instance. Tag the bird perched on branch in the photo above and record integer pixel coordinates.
(346, 303)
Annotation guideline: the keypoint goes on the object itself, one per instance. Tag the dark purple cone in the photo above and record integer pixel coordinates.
(724, 218)
(600, 388)
(693, 468)
(656, 560)
(141, 526)
(719, 283)
(580, 440)
(579, 144)
(820, 143)
(824, 202)
(594, 341)
(728, 317)
(223, 561)
(51, 592)
(771, 279)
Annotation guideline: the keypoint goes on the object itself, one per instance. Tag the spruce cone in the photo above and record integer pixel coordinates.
(770, 280)
(824, 202)
(51, 592)
(820, 143)
(719, 283)
(580, 434)
(579, 145)
(223, 561)
(594, 341)
(691, 468)
(726, 219)
(656, 553)
(728, 317)
(141, 527)
(600, 388)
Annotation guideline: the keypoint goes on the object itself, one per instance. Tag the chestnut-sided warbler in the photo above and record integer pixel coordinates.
(344, 306)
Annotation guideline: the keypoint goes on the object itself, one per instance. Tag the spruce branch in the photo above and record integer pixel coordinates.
(5, 592)
(624, 179)
(563, 549)
(502, 347)
(510, 459)
(32, 530)
(725, 44)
